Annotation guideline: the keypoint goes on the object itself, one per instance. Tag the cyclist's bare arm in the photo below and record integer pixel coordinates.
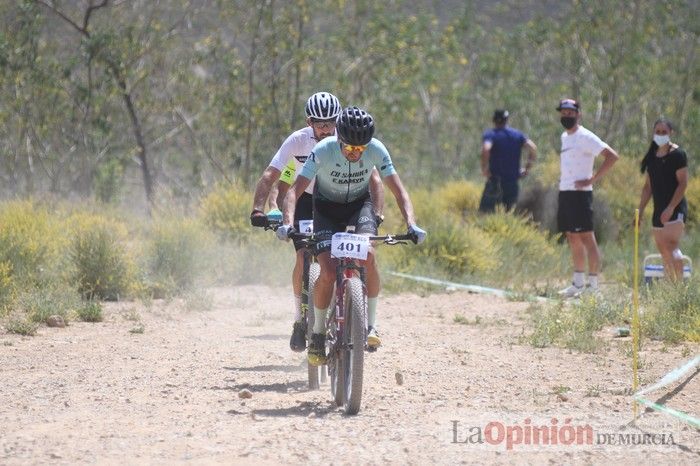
(262, 189)
(273, 198)
(290, 200)
(282, 189)
(402, 198)
(376, 190)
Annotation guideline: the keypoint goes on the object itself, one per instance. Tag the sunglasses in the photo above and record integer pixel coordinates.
(323, 124)
(351, 148)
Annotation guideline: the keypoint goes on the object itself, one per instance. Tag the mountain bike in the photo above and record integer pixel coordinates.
(346, 327)
(310, 272)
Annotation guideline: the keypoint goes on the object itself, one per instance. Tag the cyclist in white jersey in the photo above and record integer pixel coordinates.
(321, 109)
(342, 167)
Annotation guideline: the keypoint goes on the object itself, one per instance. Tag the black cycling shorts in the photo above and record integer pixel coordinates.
(333, 217)
(303, 211)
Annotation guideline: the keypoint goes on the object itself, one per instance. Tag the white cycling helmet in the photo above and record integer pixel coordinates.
(323, 106)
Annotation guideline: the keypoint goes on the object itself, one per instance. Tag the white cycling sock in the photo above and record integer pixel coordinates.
(371, 311)
(579, 278)
(297, 308)
(319, 320)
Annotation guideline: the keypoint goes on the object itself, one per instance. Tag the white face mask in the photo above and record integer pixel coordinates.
(661, 139)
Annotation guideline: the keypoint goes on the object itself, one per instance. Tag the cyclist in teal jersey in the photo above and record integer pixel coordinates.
(321, 110)
(342, 166)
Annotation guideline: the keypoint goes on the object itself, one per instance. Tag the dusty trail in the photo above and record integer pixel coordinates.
(96, 393)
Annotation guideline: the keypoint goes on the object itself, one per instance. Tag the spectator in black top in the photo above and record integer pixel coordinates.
(666, 166)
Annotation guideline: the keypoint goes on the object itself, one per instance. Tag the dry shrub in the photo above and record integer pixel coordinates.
(177, 250)
(226, 211)
(102, 266)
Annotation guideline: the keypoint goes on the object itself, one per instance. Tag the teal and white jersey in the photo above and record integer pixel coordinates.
(342, 181)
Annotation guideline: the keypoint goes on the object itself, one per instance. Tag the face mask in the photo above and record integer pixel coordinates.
(661, 139)
(568, 122)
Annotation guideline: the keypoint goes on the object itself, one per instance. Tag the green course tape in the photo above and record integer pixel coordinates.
(460, 286)
(664, 409)
(667, 379)
(671, 377)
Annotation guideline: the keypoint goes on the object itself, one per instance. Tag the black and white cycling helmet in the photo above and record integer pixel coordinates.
(323, 106)
(354, 126)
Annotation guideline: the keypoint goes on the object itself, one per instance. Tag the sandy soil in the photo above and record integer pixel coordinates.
(105, 393)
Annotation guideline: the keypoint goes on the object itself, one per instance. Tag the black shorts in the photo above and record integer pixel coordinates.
(303, 211)
(575, 213)
(680, 214)
(332, 217)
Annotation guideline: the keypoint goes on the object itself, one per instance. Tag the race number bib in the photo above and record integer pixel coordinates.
(306, 227)
(350, 246)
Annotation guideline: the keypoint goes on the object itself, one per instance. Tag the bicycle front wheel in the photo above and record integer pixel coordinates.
(354, 349)
(313, 371)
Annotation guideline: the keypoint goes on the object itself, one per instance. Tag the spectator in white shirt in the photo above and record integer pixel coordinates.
(579, 148)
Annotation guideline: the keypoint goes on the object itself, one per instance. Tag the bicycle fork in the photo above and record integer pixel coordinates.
(345, 270)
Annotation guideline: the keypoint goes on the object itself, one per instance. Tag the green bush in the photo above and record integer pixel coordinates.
(458, 248)
(227, 211)
(90, 311)
(102, 266)
(31, 242)
(457, 197)
(523, 253)
(692, 195)
(177, 253)
(20, 324)
(41, 303)
(620, 189)
(672, 311)
(573, 324)
(7, 287)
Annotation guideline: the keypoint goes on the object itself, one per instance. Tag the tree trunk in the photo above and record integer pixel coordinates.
(138, 135)
(297, 68)
(251, 91)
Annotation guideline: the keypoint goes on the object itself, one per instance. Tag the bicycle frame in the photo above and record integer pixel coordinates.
(344, 270)
(347, 330)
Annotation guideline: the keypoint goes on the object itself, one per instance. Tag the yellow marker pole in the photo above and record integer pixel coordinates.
(635, 309)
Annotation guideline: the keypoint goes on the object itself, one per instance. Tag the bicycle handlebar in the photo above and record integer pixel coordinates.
(386, 239)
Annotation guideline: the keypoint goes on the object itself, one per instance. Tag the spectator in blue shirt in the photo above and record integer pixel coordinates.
(500, 163)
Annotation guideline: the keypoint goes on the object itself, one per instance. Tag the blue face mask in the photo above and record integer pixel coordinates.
(662, 139)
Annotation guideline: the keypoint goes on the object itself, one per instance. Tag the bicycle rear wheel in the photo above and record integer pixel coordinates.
(313, 371)
(354, 347)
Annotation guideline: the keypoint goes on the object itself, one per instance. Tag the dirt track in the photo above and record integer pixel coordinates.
(96, 393)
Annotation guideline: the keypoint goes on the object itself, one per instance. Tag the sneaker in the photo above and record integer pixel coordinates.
(298, 340)
(593, 291)
(373, 340)
(571, 291)
(317, 349)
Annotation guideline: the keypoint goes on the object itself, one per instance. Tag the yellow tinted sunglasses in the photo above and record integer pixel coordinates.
(351, 148)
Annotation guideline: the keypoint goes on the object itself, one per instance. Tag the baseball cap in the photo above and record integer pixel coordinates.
(569, 103)
(500, 114)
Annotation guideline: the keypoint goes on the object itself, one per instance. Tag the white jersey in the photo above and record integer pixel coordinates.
(297, 147)
(578, 151)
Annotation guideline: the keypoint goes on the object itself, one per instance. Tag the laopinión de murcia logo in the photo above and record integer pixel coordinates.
(553, 433)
